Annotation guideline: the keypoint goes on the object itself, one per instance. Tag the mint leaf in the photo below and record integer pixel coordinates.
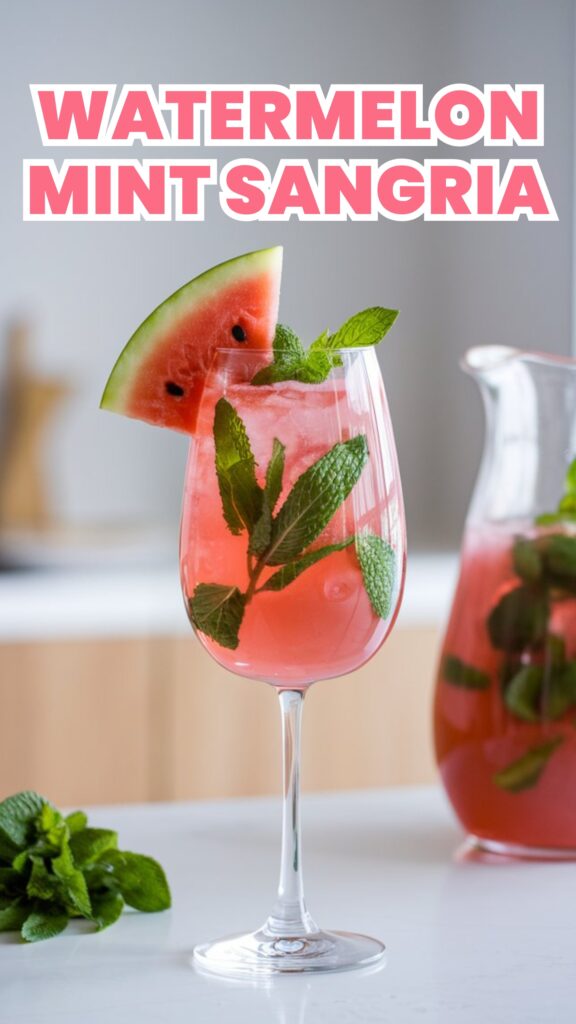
(566, 510)
(378, 565)
(73, 884)
(289, 572)
(87, 845)
(12, 916)
(262, 532)
(561, 692)
(365, 328)
(292, 362)
(217, 611)
(288, 355)
(76, 821)
(559, 555)
(458, 673)
(44, 924)
(20, 862)
(519, 620)
(287, 346)
(276, 372)
(9, 879)
(141, 880)
(17, 816)
(527, 560)
(106, 909)
(42, 884)
(526, 771)
(235, 469)
(313, 368)
(522, 695)
(275, 473)
(570, 480)
(314, 499)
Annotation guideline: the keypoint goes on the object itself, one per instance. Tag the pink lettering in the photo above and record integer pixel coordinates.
(312, 122)
(87, 122)
(72, 190)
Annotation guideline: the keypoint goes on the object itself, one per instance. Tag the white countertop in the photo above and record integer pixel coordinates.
(467, 942)
(58, 604)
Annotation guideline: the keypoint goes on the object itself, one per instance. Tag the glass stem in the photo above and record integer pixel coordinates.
(289, 916)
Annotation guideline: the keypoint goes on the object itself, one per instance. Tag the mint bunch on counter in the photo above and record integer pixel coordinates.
(293, 362)
(280, 540)
(54, 868)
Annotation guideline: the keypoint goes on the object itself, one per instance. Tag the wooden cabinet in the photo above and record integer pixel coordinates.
(114, 720)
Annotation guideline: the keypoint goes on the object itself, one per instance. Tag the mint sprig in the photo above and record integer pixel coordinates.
(566, 510)
(365, 328)
(54, 868)
(293, 362)
(281, 539)
(526, 771)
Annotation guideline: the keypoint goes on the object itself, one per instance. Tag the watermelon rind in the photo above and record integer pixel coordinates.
(169, 312)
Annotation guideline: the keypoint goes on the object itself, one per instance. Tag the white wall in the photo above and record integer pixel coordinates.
(88, 285)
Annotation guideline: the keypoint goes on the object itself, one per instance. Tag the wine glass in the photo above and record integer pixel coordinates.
(293, 552)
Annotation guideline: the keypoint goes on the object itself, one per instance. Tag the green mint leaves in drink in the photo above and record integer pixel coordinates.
(458, 673)
(317, 494)
(218, 611)
(566, 511)
(236, 470)
(378, 565)
(537, 680)
(527, 770)
(293, 362)
(54, 868)
(280, 539)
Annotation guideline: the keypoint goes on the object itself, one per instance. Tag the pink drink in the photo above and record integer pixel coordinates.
(322, 624)
(478, 734)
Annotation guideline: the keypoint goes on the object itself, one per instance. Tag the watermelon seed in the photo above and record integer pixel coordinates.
(238, 333)
(174, 389)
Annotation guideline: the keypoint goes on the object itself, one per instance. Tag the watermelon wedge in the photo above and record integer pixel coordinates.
(159, 376)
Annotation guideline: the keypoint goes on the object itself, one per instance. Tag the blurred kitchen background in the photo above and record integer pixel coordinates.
(104, 695)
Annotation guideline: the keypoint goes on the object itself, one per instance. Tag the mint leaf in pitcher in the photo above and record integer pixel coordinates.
(566, 511)
(523, 692)
(526, 771)
(519, 620)
(458, 673)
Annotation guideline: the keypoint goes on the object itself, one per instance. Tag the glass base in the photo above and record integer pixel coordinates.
(263, 954)
(517, 850)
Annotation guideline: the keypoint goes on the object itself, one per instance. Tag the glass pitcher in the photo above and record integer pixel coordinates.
(505, 704)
